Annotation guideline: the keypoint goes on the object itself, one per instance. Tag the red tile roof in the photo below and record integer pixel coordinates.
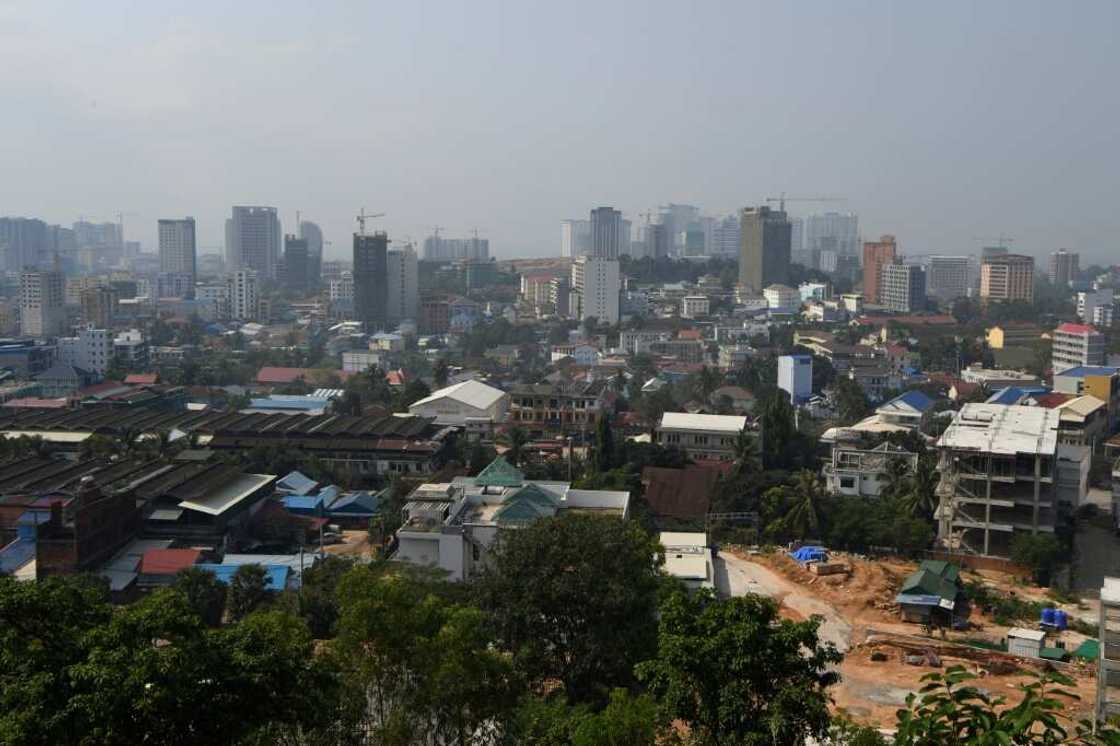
(32, 402)
(273, 374)
(689, 334)
(167, 561)
(1075, 329)
(1049, 401)
(142, 378)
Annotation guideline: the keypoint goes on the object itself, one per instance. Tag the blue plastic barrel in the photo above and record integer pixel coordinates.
(1049, 616)
(1061, 619)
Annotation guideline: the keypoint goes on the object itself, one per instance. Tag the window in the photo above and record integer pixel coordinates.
(847, 483)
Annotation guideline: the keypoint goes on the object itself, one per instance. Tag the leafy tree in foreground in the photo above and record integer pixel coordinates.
(736, 673)
(204, 592)
(422, 668)
(952, 712)
(627, 720)
(574, 598)
(1040, 552)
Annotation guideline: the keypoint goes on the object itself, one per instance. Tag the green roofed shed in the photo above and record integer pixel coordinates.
(500, 473)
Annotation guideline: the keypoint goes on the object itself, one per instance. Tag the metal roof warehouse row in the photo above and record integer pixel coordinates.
(116, 422)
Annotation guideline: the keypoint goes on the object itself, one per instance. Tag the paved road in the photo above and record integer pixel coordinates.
(737, 577)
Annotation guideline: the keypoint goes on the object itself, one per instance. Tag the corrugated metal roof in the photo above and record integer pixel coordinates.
(706, 422)
(472, 393)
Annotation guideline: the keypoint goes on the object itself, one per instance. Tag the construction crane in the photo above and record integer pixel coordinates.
(1001, 240)
(436, 229)
(362, 218)
(783, 199)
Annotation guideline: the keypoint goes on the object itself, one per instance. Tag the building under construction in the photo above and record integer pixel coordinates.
(1003, 472)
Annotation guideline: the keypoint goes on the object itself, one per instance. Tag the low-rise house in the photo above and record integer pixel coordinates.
(864, 472)
(906, 409)
(158, 567)
(701, 436)
(453, 525)
(688, 558)
(740, 399)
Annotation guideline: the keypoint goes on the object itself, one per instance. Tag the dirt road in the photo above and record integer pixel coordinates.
(737, 577)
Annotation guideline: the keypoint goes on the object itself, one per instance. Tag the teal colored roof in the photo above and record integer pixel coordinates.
(500, 473)
(942, 569)
(526, 505)
(927, 582)
(1089, 650)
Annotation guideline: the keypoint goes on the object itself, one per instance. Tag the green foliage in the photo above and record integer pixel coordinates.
(318, 602)
(515, 438)
(247, 591)
(1004, 608)
(1039, 552)
(204, 592)
(573, 598)
(72, 672)
(602, 455)
(424, 669)
(736, 673)
(950, 711)
(851, 403)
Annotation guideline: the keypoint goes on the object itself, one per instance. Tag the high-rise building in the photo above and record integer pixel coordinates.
(1005, 278)
(23, 242)
(676, 218)
(1077, 344)
(764, 248)
(1096, 307)
(658, 244)
(296, 261)
(903, 288)
(725, 238)
(253, 240)
(575, 238)
(876, 255)
(313, 234)
(177, 247)
(598, 283)
(243, 295)
(1064, 267)
(831, 231)
(947, 277)
(606, 233)
(371, 276)
(402, 286)
(42, 303)
(99, 306)
(440, 249)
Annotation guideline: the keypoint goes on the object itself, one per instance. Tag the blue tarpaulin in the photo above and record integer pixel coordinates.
(810, 554)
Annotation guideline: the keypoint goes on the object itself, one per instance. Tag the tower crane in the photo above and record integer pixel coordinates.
(1001, 240)
(783, 199)
(362, 218)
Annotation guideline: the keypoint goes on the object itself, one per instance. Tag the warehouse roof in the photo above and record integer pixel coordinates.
(472, 393)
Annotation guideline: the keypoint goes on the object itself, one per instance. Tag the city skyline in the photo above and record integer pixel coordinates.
(936, 132)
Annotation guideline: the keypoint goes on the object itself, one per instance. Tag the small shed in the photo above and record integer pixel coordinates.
(931, 594)
(1025, 642)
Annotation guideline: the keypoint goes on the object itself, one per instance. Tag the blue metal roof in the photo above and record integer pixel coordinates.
(303, 503)
(1015, 394)
(298, 483)
(915, 400)
(276, 575)
(359, 503)
(1088, 370)
(299, 403)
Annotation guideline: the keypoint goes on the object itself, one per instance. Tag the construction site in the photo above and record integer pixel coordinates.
(992, 629)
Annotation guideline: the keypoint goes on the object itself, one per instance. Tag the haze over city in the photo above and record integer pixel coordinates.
(945, 125)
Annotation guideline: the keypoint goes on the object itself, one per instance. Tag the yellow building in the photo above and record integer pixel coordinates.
(1000, 337)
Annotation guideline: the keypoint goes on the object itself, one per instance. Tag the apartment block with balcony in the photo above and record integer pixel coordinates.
(865, 472)
(1076, 345)
(1003, 472)
(708, 437)
(551, 407)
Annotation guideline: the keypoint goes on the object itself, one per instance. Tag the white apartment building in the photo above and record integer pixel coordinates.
(402, 286)
(695, 306)
(1076, 345)
(948, 277)
(177, 246)
(903, 288)
(42, 299)
(782, 299)
(863, 473)
(701, 436)
(215, 295)
(91, 350)
(795, 377)
(452, 525)
(244, 295)
(598, 283)
(341, 288)
(1096, 307)
(131, 349)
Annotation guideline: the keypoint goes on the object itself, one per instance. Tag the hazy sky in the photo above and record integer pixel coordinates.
(943, 123)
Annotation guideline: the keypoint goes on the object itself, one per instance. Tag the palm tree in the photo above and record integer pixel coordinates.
(898, 477)
(516, 438)
(804, 516)
(748, 456)
(920, 497)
